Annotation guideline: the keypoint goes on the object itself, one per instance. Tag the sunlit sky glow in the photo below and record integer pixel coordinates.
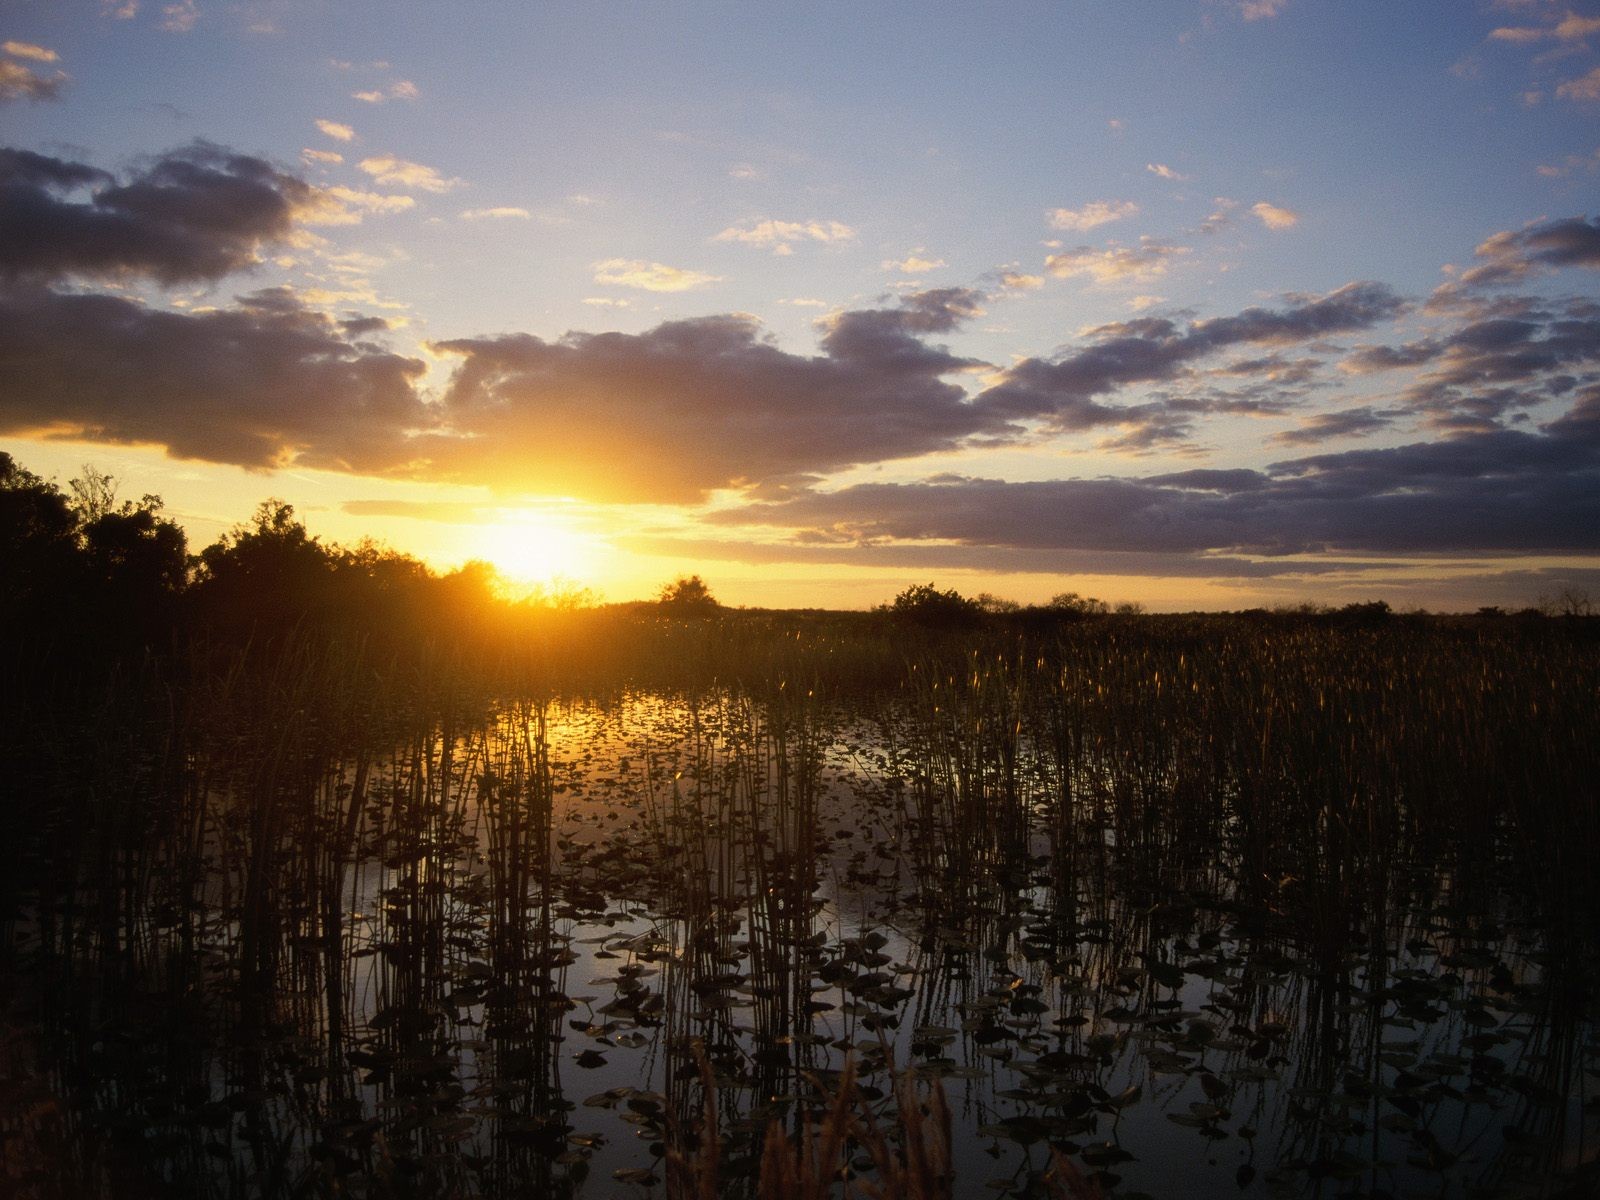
(1205, 303)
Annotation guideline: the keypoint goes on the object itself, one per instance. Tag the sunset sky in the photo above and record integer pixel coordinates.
(1202, 303)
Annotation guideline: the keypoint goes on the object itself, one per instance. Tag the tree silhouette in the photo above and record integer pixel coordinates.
(686, 595)
(924, 604)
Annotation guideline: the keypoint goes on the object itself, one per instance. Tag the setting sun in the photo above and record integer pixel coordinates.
(537, 548)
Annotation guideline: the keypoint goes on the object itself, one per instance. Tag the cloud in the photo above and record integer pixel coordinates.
(31, 52)
(1020, 281)
(1274, 217)
(1157, 349)
(1585, 87)
(941, 556)
(338, 132)
(1511, 256)
(327, 157)
(402, 90)
(1571, 28)
(1100, 212)
(694, 405)
(196, 213)
(499, 213)
(679, 411)
(914, 264)
(650, 276)
(398, 172)
(119, 10)
(1260, 10)
(262, 384)
(17, 82)
(1165, 172)
(1496, 368)
(1349, 422)
(1148, 260)
(347, 206)
(180, 17)
(1572, 162)
(1371, 359)
(782, 235)
(1502, 492)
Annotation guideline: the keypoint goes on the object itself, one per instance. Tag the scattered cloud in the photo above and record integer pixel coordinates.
(1328, 426)
(1572, 162)
(327, 157)
(180, 17)
(502, 212)
(119, 10)
(1586, 87)
(31, 52)
(914, 264)
(1065, 391)
(1148, 260)
(1020, 281)
(402, 90)
(743, 171)
(398, 172)
(1261, 10)
(782, 235)
(338, 132)
(1221, 215)
(1099, 212)
(1514, 255)
(1274, 217)
(1571, 28)
(650, 276)
(347, 206)
(17, 82)
(1165, 172)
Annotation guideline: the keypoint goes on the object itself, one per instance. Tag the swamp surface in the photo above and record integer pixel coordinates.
(1210, 911)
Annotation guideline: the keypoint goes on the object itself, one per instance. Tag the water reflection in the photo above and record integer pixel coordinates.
(516, 952)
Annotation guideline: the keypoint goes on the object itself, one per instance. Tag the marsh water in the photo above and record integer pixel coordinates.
(514, 949)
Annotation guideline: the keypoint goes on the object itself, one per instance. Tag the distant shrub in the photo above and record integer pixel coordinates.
(1374, 612)
(1073, 605)
(924, 604)
(687, 595)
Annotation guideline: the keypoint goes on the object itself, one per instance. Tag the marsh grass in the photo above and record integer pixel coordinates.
(298, 918)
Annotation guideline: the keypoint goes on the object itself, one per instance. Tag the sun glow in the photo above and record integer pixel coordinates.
(537, 548)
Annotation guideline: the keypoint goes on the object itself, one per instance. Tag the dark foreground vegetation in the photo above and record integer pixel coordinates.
(323, 875)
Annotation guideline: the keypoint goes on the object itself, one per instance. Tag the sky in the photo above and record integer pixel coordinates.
(1205, 304)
